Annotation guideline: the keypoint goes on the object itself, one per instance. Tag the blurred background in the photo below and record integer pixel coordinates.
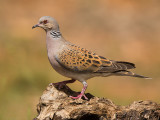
(125, 30)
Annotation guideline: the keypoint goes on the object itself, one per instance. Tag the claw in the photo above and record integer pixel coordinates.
(85, 97)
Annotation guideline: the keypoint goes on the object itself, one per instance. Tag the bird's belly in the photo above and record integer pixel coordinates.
(67, 73)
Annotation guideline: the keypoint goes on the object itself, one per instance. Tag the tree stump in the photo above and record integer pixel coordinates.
(55, 104)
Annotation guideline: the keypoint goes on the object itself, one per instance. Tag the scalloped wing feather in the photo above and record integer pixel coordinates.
(78, 59)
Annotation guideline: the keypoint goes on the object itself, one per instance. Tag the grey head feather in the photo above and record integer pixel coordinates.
(52, 24)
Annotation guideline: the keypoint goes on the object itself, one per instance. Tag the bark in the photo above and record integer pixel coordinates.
(55, 104)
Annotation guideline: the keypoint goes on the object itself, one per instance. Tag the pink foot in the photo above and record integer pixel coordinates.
(82, 92)
(79, 96)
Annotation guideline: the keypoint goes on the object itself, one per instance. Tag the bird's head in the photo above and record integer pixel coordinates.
(47, 23)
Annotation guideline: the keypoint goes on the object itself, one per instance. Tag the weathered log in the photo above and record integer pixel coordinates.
(55, 104)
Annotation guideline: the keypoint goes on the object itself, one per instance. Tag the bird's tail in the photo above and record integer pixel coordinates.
(129, 73)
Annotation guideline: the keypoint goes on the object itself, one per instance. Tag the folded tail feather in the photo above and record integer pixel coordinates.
(129, 73)
(115, 66)
(128, 65)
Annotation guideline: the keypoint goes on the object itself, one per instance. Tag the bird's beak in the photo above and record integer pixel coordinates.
(37, 25)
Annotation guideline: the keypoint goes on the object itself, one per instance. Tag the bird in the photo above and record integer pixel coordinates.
(78, 63)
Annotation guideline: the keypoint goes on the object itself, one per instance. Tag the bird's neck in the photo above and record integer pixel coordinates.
(54, 41)
(55, 33)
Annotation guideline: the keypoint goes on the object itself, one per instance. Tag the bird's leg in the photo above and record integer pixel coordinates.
(61, 84)
(82, 92)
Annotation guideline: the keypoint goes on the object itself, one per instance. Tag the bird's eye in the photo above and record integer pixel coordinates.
(45, 21)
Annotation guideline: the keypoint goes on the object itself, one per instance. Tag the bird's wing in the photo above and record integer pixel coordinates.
(78, 59)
